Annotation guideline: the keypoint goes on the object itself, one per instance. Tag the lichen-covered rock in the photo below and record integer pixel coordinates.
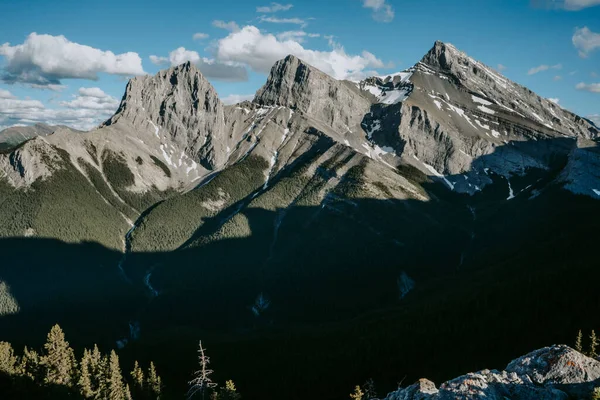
(551, 373)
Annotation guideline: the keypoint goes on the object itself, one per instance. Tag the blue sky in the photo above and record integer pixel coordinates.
(73, 70)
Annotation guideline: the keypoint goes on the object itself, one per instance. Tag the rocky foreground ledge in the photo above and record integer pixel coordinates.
(551, 373)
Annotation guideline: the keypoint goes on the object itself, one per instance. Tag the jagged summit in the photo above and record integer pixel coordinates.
(297, 85)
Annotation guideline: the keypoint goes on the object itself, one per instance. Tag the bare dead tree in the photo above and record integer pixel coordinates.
(202, 380)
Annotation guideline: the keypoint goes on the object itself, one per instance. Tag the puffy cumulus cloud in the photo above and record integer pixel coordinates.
(585, 41)
(85, 111)
(557, 78)
(200, 36)
(45, 60)
(542, 68)
(501, 67)
(236, 98)
(92, 99)
(261, 50)
(590, 87)
(231, 26)
(554, 99)
(5, 94)
(210, 68)
(274, 7)
(382, 11)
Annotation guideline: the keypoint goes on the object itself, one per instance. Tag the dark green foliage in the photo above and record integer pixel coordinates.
(56, 376)
(58, 359)
(162, 166)
(593, 345)
(139, 160)
(579, 342)
(175, 221)
(116, 170)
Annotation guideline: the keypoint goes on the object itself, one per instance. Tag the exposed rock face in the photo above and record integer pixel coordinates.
(299, 86)
(15, 135)
(181, 104)
(553, 373)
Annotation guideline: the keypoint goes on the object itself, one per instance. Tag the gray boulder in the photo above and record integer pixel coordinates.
(551, 373)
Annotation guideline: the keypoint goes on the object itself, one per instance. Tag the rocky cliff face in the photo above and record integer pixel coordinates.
(294, 84)
(552, 373)
(178, 104)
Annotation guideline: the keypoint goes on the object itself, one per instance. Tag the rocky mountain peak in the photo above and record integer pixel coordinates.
(297, 85)
(177, 105)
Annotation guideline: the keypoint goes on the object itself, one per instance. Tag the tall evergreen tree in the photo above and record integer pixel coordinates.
(579, 342)
(593, 345)
(153, 383)
(137, 378)
(98, 365)
(29, 365)
(85, 376)
(137, 374)
(8, 360)
(58, 359)
(128, 393)
(114, 379)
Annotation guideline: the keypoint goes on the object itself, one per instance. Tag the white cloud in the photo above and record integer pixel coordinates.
(544, 67)
(585, 41)
(595, 118)
(501, 67)
(87, 109)
(261, 50)
(590, 87)
(557, 78)
(274, 7)
(45, 60)
(314, 35)
(298, 36)
(200, 36)
(231, 26)
(236, 98)
(209, 67)
(576, 5)
(570, 5)
(5, 94)
(554, 100)
(382, 11)
(274, 20)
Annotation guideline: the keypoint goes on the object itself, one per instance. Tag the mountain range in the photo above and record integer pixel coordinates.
(403, 224)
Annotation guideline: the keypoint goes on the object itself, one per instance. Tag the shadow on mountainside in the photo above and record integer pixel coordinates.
(493, 279)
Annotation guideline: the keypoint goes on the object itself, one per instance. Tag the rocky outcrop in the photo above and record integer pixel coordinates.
(552, 373)
(294, 84)
(180, 105)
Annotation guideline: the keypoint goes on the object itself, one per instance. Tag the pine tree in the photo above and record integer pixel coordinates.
(59, 359)
(8, 360)
(153, 382)
(357, 394)
(98, 365)
(128, 393)
(85, 376)
(593, 345)
(29, 365)
(114, 379)
(229, 392)
(137, 375)
(579, 342)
